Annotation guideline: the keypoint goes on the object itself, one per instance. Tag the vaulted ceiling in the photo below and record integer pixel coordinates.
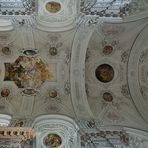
(85, 60)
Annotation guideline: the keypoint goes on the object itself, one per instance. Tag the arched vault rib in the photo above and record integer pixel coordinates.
(135, 64)
(78, 92)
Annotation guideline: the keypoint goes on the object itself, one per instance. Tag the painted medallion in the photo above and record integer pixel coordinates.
(53, 51)
(107, 97)
(5, 92)
(52, 93)
(53, 7)
(52, 140)
(6, 50)
(107, 49)
(104, 73)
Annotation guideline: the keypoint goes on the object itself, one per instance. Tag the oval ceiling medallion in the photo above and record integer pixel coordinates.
(5, 92)
(52, 140)
(107, 97)
(29, 91)
(53, 7)
(6, 50)
(53, 51)
(53, 93)
(30, 52)
(107, 49)
(104, 73)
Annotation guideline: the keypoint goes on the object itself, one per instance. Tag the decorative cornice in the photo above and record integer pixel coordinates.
(17, 133)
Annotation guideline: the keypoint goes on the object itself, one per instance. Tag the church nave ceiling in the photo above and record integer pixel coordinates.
(60, 57)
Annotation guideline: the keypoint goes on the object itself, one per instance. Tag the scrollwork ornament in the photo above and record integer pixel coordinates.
(134, 141)
(125, 91)
(71, 142)
(125, 56)
(143, 56)
(67, 88)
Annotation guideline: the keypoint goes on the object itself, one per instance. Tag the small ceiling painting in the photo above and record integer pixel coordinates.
(5, 92)
(107, 49)
(52, 140)
(104, 73)
(53, 7)
(6, 51)
(107, 97)
(30, 52)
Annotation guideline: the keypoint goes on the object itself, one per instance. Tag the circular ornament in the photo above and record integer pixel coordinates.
(5, 92)
(104, 73)
(53, 7)
(6, 50)
(53, 51)
(107, 97)
(52, 140)
(53, 93)
(107, 49)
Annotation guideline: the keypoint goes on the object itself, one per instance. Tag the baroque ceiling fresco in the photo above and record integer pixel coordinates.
(83, 59)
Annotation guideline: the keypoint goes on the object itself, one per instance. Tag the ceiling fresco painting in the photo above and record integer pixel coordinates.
(29, 73)
(6, 50)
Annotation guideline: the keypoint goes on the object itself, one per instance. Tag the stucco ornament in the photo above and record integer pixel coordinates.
(55, 131)
(57, 15)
